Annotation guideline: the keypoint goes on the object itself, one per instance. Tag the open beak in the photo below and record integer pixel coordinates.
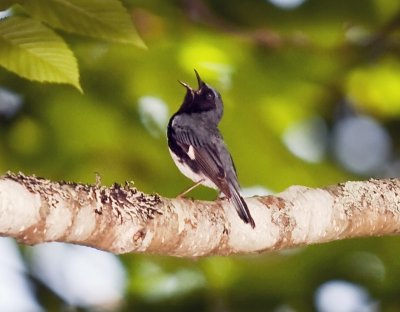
(185, 85)
(199, 81)
(189, 89)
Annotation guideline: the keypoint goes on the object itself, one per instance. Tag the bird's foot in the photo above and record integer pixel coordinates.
(221, 196)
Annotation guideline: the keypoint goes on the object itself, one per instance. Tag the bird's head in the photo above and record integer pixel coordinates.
(205, 100)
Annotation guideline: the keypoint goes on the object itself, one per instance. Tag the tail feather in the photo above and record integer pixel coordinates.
(241, 207)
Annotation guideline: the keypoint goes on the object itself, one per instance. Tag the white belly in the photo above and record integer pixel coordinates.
(190, 174)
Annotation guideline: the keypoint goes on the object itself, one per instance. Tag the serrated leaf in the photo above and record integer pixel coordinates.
(35, 52)
(104, 19)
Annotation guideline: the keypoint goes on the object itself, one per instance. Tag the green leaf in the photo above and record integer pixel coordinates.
(35, 52)
(104, 19)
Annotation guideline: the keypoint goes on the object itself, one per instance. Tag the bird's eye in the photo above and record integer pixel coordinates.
(209, 96)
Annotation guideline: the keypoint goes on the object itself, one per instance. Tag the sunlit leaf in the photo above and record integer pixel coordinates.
(105, 19)
(375, 88)
(35, 52)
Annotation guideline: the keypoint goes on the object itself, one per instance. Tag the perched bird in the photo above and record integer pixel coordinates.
(197, 146)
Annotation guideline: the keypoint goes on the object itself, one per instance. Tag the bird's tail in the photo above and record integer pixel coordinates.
(241, 207)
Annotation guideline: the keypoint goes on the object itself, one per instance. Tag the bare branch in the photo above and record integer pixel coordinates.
(121, 219)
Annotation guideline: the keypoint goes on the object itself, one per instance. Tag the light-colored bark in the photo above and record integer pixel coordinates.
(121, 219)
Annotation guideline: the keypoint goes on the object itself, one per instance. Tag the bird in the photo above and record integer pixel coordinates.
(198, 148)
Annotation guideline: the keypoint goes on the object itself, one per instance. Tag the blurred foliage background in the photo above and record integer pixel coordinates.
(312, 97)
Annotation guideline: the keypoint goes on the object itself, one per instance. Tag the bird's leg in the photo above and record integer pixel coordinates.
(221, 195)
(190, 188)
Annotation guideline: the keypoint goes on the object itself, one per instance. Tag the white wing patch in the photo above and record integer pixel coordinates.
(190, 152)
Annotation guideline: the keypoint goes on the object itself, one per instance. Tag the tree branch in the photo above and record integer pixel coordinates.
(121, 219)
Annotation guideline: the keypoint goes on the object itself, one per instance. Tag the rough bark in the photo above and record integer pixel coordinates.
(121, 219)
